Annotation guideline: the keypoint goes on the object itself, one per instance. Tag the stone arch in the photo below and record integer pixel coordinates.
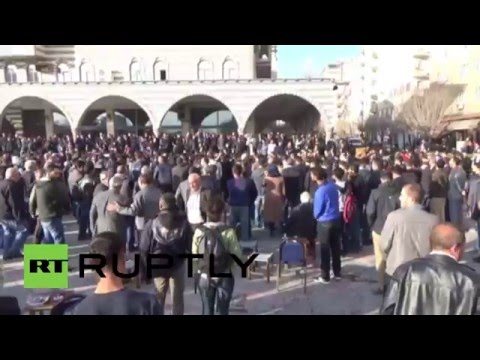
(160, 69)
(34, 102)
(299, 97)
(135, 70)
(230, 69)
(11, 74)
(213, 104)
(205, 69)
(64, 72)
(32, 74)
(116, 102)
(87, 71)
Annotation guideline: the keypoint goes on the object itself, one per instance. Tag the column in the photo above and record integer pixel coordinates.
(249, 127)
(22, 70)
(273, 62)
(186, 121)
(2, 72)
(49, 125)
(110, 122)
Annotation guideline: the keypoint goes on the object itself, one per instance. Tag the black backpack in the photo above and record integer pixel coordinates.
(211, 243)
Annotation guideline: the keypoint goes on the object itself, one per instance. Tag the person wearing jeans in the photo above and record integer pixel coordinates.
(167, 233)
(241, 196)
(327, 214)
(12, 214)
(456, 191)
(259, 211)
(50, 200)
(53, 231)
(219, 289)
(216, 291)
(14, 237)
(258, 177)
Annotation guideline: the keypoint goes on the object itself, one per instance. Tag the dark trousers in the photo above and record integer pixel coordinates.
(166, 188)
(366, 231)
(330, 249)
(131, 244)
(353, 233)
(83, 218)
(217, 290)
(38, 233)
(343, 236)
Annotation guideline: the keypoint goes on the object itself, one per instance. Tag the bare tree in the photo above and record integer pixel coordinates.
(424, 110)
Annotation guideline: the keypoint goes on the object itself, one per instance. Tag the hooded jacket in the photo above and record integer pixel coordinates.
(169, 233)
(382, 202)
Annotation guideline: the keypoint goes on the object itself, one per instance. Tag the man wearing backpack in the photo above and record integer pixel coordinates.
(382, 202)
(216, 239)
(169, 234)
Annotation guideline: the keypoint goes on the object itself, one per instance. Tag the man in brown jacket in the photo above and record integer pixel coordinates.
(405, 235)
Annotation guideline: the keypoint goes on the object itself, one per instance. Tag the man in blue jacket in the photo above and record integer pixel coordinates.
(326, 212)
(241, 196)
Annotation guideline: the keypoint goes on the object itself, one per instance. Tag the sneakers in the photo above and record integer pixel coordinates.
(337, 278)
(321, 280)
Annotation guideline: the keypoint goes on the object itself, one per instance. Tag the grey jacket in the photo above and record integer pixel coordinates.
(145, 205)
(406, 236)
(456, 183)
(101, 220)
(473, 193)
(182, 191)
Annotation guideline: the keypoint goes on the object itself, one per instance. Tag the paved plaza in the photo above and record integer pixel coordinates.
(351, 296)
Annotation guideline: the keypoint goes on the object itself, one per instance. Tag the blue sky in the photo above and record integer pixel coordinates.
(296, 61)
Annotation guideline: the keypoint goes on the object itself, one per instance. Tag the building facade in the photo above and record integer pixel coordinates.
(117, 88)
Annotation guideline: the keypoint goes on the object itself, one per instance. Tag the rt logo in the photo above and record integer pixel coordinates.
(46, 266)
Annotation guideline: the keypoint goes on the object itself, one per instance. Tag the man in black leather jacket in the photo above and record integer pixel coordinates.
(437, 284)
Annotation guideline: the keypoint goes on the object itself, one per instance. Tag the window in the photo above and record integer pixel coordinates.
(160, 70)
(230, 69)
(63, 73)
(87, 71)
(11, 74)
(205, 70)
(32, 74)
(135, 70)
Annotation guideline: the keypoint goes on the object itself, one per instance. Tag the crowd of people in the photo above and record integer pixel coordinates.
(205, 193)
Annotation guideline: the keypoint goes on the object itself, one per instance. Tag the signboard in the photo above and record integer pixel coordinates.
(361, 152)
